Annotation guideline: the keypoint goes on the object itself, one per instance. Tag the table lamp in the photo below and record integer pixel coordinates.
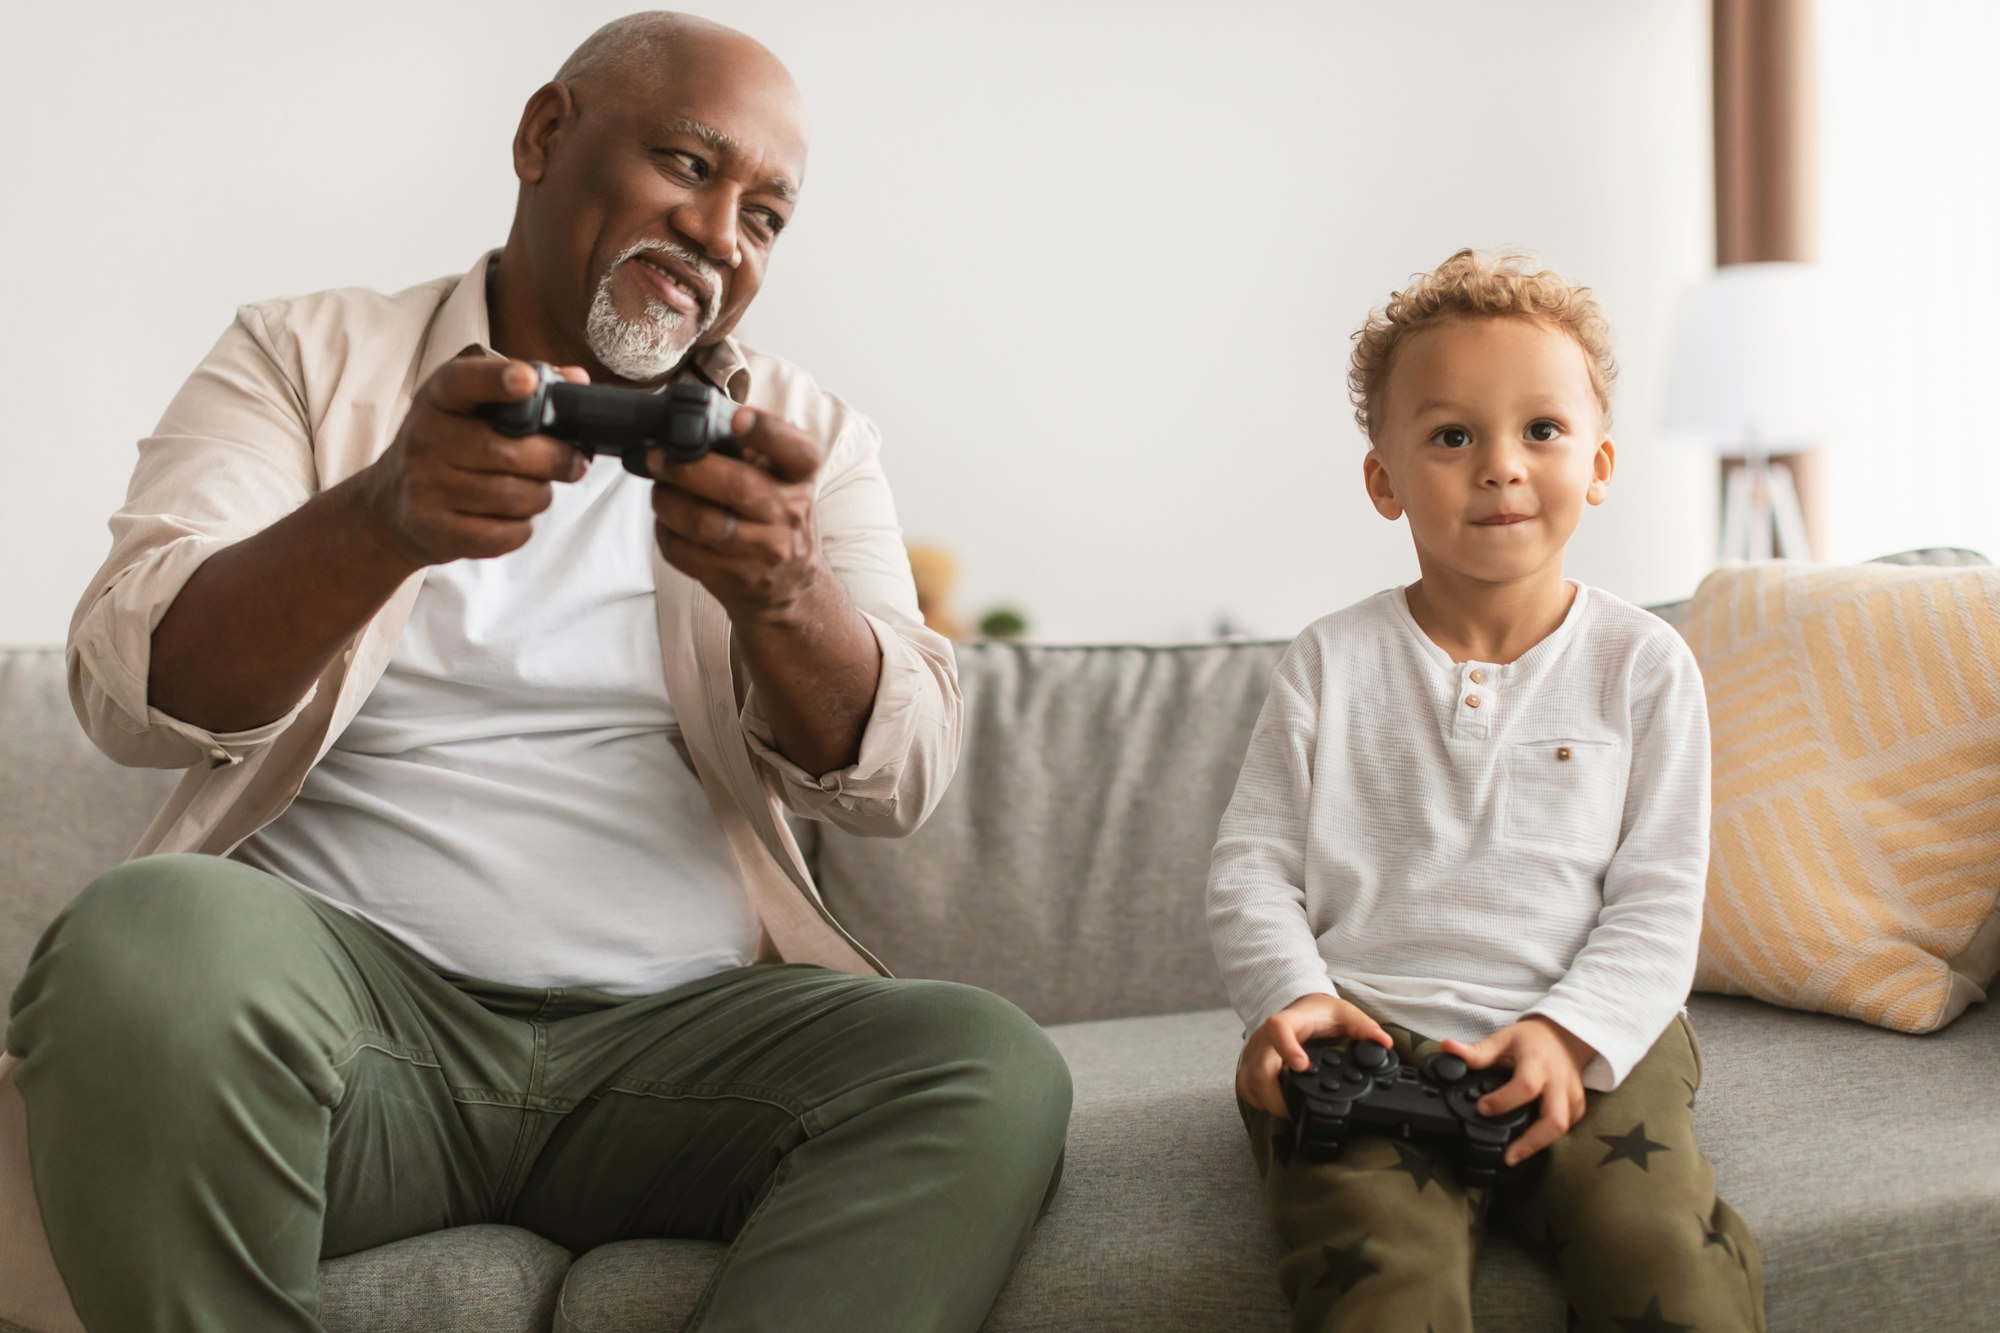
(1752, 376)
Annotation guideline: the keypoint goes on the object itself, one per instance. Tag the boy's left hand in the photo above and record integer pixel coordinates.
(1548, 1063)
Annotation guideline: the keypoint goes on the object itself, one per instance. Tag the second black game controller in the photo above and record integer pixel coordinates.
(683, 420)
(1353, 1088)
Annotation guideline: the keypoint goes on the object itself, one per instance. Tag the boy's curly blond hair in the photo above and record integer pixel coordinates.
(1474, 284)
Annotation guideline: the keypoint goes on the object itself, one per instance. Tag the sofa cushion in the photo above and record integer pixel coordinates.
(1856, 862)
(478, 1279)
(1866, 1162)
(1064, 868)
(67, 812)
(1676, 613)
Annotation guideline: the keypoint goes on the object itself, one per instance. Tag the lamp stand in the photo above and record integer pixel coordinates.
(1761, 502)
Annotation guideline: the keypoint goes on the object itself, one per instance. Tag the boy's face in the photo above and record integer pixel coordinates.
(1490, 441)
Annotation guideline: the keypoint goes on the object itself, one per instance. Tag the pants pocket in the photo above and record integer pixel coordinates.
(1694, 1045)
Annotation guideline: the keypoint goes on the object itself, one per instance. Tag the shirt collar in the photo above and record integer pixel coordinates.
(724, 365)
(1521, 667)
(463, 321)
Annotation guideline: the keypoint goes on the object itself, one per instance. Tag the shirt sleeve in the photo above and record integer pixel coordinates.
(1635, 969)
(232, 455)
(910, 746)
(1257, 921)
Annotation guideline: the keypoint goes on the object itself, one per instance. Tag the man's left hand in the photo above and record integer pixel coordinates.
(745, 530)
(1548, 1062)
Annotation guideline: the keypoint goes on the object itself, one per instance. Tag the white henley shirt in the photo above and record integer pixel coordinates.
(1456, 845)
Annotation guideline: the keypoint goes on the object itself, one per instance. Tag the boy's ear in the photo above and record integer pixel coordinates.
(1600, 472)
(1381, 490)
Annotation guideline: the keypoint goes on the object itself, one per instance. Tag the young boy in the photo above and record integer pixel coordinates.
(1476, 809)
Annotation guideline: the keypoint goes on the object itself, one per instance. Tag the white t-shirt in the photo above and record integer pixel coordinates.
(513, 801)
(1457, 845)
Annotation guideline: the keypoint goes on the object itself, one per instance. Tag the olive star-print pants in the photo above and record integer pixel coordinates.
(1384, 1237)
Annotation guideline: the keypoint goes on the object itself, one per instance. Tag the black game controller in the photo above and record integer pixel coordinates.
(1362, 1087)
(683, 420)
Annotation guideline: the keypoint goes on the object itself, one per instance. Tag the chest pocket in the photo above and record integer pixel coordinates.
(1564, 796)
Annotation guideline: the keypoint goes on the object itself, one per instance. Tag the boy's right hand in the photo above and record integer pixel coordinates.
(1279, 1043)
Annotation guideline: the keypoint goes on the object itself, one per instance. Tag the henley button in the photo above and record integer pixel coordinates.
(1479, 678)
(218, 755)
(1562, 752)
(1472, 701)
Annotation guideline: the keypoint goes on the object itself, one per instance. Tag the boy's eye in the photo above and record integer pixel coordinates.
(1452, 437)
(1541, 432)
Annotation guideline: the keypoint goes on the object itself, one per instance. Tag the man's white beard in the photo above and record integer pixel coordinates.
(647, 347)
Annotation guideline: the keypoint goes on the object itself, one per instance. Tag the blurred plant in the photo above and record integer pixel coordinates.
(1003, 622)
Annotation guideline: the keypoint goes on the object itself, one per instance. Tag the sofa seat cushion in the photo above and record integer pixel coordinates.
(1867, 1163)
(477, 1279)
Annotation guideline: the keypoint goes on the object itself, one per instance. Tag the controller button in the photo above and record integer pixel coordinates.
(1369, 1055)
(1353, 1076)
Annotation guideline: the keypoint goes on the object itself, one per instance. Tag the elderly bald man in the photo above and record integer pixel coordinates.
(476, 903)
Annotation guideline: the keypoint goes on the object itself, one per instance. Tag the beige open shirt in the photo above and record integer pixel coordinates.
(300, 394)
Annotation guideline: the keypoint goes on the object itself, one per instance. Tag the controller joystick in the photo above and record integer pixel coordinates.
(1445, 1068)
(1371, 1055)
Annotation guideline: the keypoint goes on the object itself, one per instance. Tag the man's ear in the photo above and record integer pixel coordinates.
(1381, 490)
(1600, 472)
(543, 121)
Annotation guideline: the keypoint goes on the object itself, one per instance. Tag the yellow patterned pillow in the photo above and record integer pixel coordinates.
(1855, 865)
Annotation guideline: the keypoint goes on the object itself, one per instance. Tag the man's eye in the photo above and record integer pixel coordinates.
(1541, 432)
(1452, 437)
(767, 221)
(686, 163)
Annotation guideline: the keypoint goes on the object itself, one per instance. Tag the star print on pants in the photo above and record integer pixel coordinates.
(1420, 1167)
(1650, 1320)
(1631, 1147)
(1482, 1200)
(1345, 1267)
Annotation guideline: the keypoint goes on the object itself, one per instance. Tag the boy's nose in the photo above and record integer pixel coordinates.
(1503, 467)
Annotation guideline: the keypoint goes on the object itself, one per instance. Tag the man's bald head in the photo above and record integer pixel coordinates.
(645, 44)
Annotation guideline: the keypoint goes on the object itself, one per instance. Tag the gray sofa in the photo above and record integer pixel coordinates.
(1064, 871)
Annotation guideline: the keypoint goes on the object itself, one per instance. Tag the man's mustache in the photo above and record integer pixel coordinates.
(700, 264)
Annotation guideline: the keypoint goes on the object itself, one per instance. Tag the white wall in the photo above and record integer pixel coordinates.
(1093, 267)
(1909, 208)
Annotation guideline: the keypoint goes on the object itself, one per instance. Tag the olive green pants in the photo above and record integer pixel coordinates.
(227, 1080)
(1383, 1238)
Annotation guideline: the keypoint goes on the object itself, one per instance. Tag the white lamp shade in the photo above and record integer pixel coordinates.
(1752, 366)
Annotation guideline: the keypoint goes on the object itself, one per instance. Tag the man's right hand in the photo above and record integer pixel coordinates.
(1279, 1043)
(451, 487)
